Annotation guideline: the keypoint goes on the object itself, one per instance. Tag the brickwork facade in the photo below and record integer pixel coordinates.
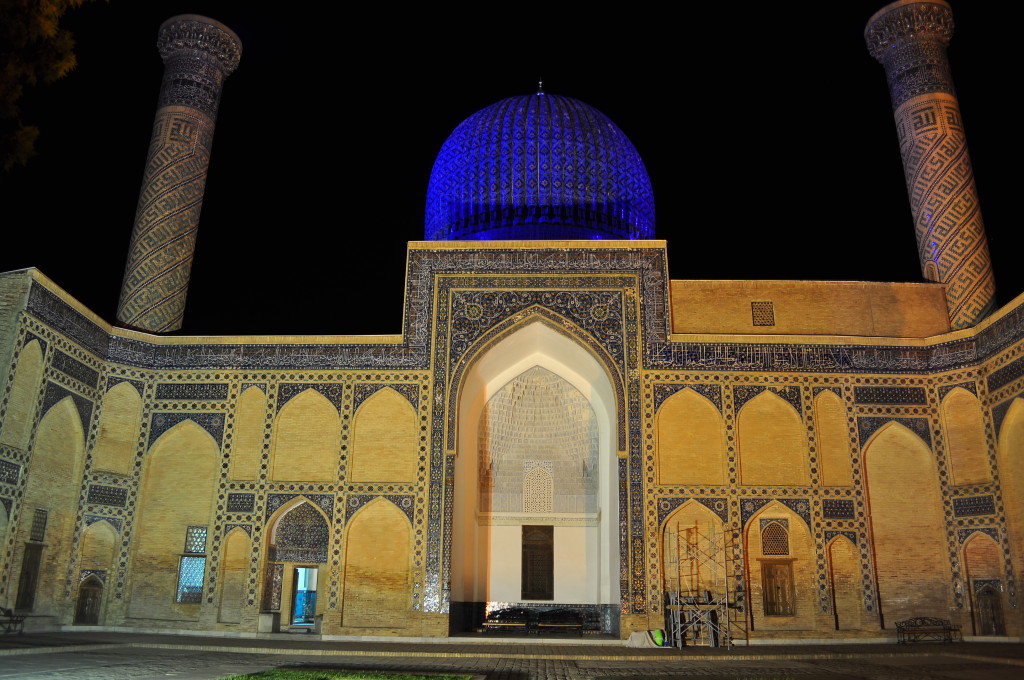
(888, 462)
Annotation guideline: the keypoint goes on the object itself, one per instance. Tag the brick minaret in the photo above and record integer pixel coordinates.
(198, 54)
(909, 38)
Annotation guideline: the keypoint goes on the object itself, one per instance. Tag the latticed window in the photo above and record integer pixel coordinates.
(195, 540)
(38, 530)
(774, 540)
(763, 313)
(537, 491)
(192, 566)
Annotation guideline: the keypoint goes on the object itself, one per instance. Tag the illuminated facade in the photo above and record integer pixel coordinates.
(556, 423)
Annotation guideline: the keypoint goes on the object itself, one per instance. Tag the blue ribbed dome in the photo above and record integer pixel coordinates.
(539, 167)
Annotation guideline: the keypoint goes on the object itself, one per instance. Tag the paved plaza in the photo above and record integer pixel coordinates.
(135, 656)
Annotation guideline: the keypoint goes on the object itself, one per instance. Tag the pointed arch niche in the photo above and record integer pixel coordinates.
(907, 525)
(487, 550)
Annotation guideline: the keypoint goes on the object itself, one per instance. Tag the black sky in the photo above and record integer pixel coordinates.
(766, 130)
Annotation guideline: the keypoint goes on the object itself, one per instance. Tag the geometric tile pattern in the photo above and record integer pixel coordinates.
(974, 505)
(837, 508)
(192, 391)
(889, 395)
(74, 369)
(211, 422)
(197, 56)
(107, 495)
(910, 41)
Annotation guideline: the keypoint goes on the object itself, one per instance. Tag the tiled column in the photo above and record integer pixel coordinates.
(909, 38)
(198, 54)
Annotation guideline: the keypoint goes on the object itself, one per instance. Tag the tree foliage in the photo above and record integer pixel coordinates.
(34, 49)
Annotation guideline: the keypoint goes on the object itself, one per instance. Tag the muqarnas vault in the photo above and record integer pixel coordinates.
(561, 433)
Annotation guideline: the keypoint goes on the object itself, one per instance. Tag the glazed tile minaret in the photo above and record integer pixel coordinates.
(198, 54)
(909, 38)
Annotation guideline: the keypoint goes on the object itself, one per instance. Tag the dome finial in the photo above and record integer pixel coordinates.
(540, 86)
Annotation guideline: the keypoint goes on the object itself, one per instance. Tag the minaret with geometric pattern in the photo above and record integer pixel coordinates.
(910, 38)
(198, 54)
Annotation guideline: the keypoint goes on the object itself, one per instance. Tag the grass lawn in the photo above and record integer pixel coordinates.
(327, 674)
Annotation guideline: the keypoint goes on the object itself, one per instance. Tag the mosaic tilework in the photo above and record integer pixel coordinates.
(999, 411)
(107, 495)
(228, 528)
(272, 587)
(302, 535)
(663, 391)
(744, 393)
(113, 521)
(867, 426)
(837, 508)
(52, 311)
(334, 392)
(829, 535)
(74, 368)
(914, 65)
(9, 472)
(834, 390)
(192, 391)
(211, 422)
(101, 574)
(276, 500)
(404, 502)
(889, 395)
(963, 534)
(114, 380)
(1005, 375)
(55, 393)
(946, 389)
(750, 506)
(241, 502)
(974, 505)
(361, 392)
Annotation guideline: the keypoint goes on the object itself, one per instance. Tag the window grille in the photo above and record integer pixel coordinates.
(192, 566)
(195, 540)
(38, 530)
(774, 540)
(763, 313)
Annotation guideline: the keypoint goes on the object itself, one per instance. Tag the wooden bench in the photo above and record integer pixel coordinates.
(558, 620)
(515, 620)
(927, 629)
(12, 623)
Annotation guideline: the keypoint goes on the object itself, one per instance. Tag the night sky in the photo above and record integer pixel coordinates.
(766, 130)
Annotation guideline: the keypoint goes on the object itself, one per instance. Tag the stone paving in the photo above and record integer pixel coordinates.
(139, 656)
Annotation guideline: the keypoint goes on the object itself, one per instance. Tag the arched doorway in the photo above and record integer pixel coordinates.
(90, 597)
(297, 557)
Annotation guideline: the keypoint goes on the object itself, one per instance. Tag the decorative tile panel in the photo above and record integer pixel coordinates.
(974, 505)
(192, 391)
(889, 395)
(837, 508)
(9, 472)
(75, 369)
(99, 494)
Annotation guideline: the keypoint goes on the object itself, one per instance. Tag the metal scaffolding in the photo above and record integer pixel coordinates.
(705, 597)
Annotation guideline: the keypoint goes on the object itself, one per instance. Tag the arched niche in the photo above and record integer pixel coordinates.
(780, 563)
(234, 571)
(964, 427)
(307, 440)
(21, 405)
(385, 440)
(690, 441)
(247, 443)
(846, 584)
(54, 480)
(378, 567)
(907, 526)
(833, 437)
(118, 434)
(177, 492)
(772, 442)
